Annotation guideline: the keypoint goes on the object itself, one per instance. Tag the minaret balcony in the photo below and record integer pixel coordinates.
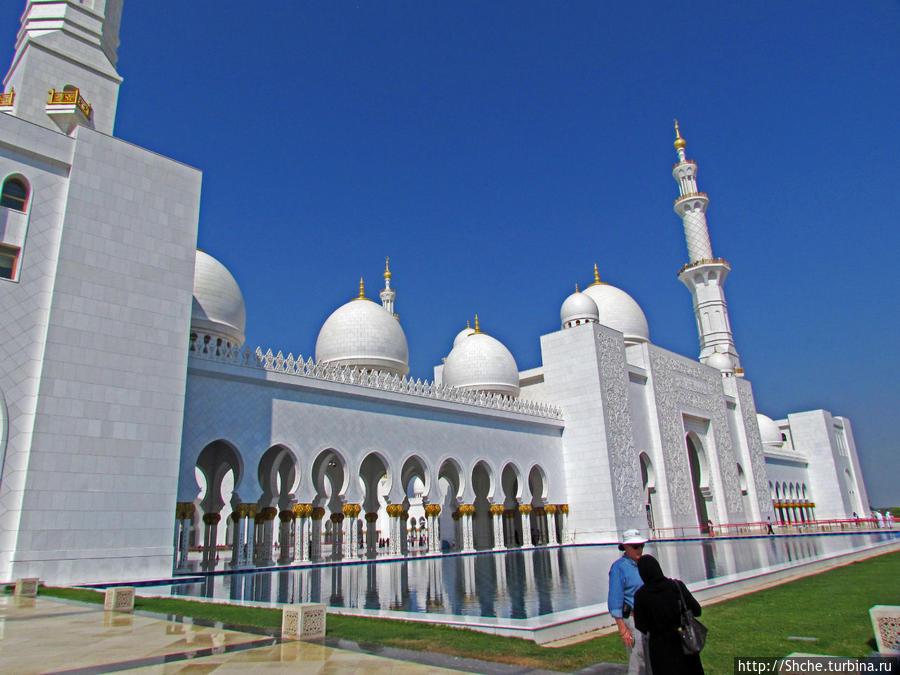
(705, 261)
(68, 108)
(7, 100)
(693, 195)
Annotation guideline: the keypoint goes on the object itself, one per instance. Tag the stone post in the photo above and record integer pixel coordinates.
(497, 521)
(550, 510)
(395, 511)
(525, 511)
(184, 516)
(432, 514)
(315, 552)
(371, 534)
(301, 531)
(210, 522)
(351, 530)
(285, 529)
(466, 511)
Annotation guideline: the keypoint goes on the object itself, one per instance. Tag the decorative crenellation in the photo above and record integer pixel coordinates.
(624, 463)
(677, 384)
(373, 379)
(754, 446)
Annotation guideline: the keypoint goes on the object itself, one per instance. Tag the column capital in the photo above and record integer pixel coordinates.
(497, 509)
(467, 509)
(286, 516)
(184, 510)
(318, 513)
(432, 509)
(351, 510)
(211, 518)
(303, 510)
(525, 509)
(371, 517)
(550, 508)
(394, 510)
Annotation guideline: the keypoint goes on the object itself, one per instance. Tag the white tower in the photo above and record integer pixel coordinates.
(387, 293)
(69, 47)
(704, 275)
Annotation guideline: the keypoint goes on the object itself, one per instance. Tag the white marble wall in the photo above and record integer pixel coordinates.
(105, 298)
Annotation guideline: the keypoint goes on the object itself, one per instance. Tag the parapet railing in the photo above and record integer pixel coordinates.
(762, 528)
(372, 379)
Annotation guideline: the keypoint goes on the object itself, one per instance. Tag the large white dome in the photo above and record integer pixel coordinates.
(618, 310)
(363, 334)
(218, 307)
(769, 431)
(578, 308)
(479, 362)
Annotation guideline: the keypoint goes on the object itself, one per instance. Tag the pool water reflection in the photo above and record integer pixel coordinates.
(515, 584)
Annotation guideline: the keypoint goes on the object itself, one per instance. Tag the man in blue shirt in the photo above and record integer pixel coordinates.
(624, 580)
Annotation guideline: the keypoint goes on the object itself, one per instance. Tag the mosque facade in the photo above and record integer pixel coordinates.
(139, 436)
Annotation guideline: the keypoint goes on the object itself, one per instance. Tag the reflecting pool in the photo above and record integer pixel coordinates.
(515, 584)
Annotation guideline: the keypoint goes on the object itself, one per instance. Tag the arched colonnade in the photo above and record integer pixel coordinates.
(340, 508)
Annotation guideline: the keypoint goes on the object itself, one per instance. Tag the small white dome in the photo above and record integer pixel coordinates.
(218, 306)
(363, 334)
(479, 362)
(465, 332)
(619, 311)
(721, 362)
(769, 431)
(578, 307)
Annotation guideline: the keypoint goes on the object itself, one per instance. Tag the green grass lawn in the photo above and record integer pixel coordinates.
(832, 606)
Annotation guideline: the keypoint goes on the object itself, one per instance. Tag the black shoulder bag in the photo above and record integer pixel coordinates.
(691, 631)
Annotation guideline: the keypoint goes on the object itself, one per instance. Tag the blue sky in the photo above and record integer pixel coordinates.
(496, 151)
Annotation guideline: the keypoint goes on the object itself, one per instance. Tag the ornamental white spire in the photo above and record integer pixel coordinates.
(704, 275)
(70, 48)
(388, 294)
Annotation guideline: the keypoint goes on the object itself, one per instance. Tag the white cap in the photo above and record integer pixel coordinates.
(632, 537)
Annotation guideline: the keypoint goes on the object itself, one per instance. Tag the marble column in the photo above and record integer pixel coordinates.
(337, 536)
(184, 516)
(395, 511)
(301, 531)
(467, 511)
(432, 514)
(404, 533)
(497, 520)
(525, 511)
(350, 529)
(242, 547)
(265, 523)
(562, 514)
(371, 534)
(210, 527)
(550, 510)
(457, 530)
(285, 530)
(315, 552)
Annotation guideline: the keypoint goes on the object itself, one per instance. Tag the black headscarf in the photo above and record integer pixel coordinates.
(649, 569)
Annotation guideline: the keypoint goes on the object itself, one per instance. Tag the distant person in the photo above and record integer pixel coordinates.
(624, 581)
(769, 529)
(657, 613)
(889, 517)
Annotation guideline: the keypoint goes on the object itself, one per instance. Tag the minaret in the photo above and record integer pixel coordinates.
(387, 293)
(704, 275)
(62, 46)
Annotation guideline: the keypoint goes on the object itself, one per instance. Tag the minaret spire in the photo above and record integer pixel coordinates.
(704, 275)
(388, 294)
(65, 45)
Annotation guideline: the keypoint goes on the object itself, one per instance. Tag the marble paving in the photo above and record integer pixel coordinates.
(44, 635)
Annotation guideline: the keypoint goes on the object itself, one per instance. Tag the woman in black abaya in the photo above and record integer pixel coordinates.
(657, 613)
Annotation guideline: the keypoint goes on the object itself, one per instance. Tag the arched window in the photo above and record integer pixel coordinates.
(15, 193)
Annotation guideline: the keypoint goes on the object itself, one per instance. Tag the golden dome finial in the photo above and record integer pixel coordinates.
(387, 269)
(680, 143)
(576, 287)
(362, 289)
(477, 327)
(596, 274)
(467, 325)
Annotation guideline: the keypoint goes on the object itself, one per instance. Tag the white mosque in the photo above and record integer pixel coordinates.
(137, 430)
